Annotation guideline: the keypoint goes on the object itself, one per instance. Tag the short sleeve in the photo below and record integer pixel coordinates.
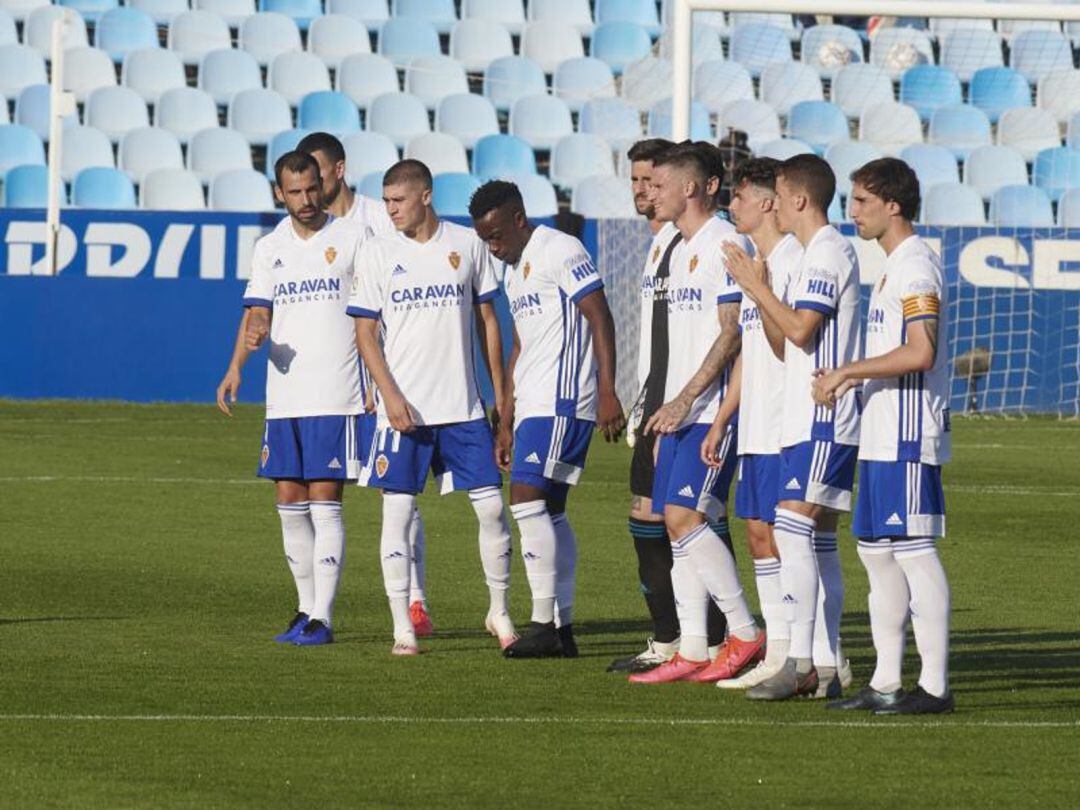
(368, 288)
(260, 287)
(920, 292)
(485, 284)
(575, 271)
(728, 292)
(818, 287)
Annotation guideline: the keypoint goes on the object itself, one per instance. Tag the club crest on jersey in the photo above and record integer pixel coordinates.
(382, 464)
(655, 254)
(454, 259)
(526, 270)
(265, 455)
(881, 284)
(330, 254)
(693, 263)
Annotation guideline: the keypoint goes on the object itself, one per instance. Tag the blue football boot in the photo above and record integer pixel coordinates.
(314, 632)
(293, 630)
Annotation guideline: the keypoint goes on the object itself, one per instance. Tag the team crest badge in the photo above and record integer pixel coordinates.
(526, 270)
(331, 254)
(265, 455)
(655, 254)
(693, 263)
(455, 259)
(382, 464)
(881, 284)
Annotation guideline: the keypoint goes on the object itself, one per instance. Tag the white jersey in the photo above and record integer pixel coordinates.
(424, 292)
(555, 373)
(907, 418)
(651, 286)
(699, 282)
(313, 368)
(826, 281)
(371, 214)
(761, 399)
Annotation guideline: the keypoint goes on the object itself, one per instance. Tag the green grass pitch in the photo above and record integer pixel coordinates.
(141, 580)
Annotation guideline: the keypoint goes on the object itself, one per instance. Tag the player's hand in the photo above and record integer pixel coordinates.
(745, 271)
(258, 330)
(609, 416)
(710, 445)
(369, 401)
(504, 446)
(669, 416)
(227, 390)
(829, 385)
(399, 412)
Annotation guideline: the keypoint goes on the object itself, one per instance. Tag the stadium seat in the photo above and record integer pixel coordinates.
(432, 78)
(1059, 92)
(281, 143)
(152, 71)
(960, 128)
(818, 123)
(783, 22)
(754, 46)
(225, 72)
(578, 80)
(717, 83)
(294, 74)
(102, 187)
(856, 87)
(8, 33)
(613, 119)
(1068, 210)
(332, 37)
(1072, 31)
(994, 90)
(268, 34)
(928, 88)
(302, 12)
(475, 43)
(967, 50)
(28, 187)
(828, 48)
(510, 78)
(259, 114)
(363, 76)
(786, 83)
(371, 185)
(1021, 207)
(5, 117)
(538, 195)
(328, 111)
(194, 34)
(122, 30)
(399, 116)
(37, 30)
(19, 146)
(215, 150)
(619, 43)
(451, 193)
(603, 197)
(1029, 131)
(233, 12)
(942, 27)
(171, 190)
(952, 204)
(756, 118)
(146, 149)
(440, 13)
(835, 211)
(1009, 29)
(500, 155)
(466, 116)
(646, 82)
(85, 70)
(20, 66)
(660, 125)
(1035, 53)
(1072, 132)
(1056, 170)
(705, 44)
(84, 147)
(367, 152)
(847, 156)
(240, 190)
(184, 111)
(897, 49)
(574, 12)
(401, 39)
(577, 156)
(116, 111)
(372, 13)
(540, 120)
(931, 164)
(989, 168)
(783, 148)
(91, 10)
(508, 13)
(549, 42)
(160, 11)
(890, 126)
(439, 151)
(20, 10)
(32, 110)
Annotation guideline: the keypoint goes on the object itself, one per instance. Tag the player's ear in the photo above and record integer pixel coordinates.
(278, 195)
(339, 169)
(425, 197)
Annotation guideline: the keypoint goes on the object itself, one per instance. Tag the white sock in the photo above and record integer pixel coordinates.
(827, 651)
(494, 542)
(888, 604)
(691, 603)
(417, 550)
(394, 549)
(329, 556)
(716, 569)
(565, 569)
(771, 600)
(538, 545)
(299, 539)
(930, 605)
(798, 578)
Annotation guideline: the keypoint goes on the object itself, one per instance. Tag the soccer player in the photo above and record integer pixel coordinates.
(818, 445)
(560, 385)
(905, 439)
(300, 276)
(418, 289)
(703, 340)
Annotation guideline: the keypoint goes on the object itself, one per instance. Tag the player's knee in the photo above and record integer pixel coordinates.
(759, 538)
(641, 508)
(680, 521)
(398, 504)
(487, 504)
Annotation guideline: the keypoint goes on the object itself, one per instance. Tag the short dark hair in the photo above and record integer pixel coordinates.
(297, 162)
(687, 155)
(492, 195)
(812, 175)
(893, 181)
(322, 142)
(759, 171)
(649, 149)
(408, 171)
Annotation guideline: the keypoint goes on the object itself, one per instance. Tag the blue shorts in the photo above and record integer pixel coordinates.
(550, 451)
(311, 448)
(899, 499)
(366, 427)
(818, 472)
(683, 479)
(461, 455)
(755, 496)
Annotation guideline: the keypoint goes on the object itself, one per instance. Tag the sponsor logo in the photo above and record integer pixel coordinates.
(455, 259)
(793, 484)
(330, 561)
(686, 492)
(334, 464)
(532, 458)
(819, 286)
(309, 289)
(528, 555)
(526, 270)
(525, 302)
(398, 270)
(382, 464)
(682, 295)
(394, 555)
(789, 599)
(693, 263)
(582, 271)
(330, 254)
(894, 520)
(278, 264)
(433, 294)
(265, 455)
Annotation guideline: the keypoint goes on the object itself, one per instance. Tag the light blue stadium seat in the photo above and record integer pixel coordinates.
(1021, 207)
(508, 13)
(784, 84)
(613, 119)
(27, 187)
(890, 126)
(754, 46)
(780, 20)
(1068, 212)
(152, 71)
(639, 12)
(717, 82)
(122, 30)
(510, 78)
(143, 150)
(367, 152)
(928, 88)
(537, 193)
(259, 114)
(8, 32)
(573, 12)
(659, 125)
(184, 111)
(835, 212)
(37, 30)
(1036, 53)
(476, 43)
(1059, 92)
(302, 12)
(994, 90)
(402, 38)
(856, 87)
(399, 116)
(19, 146)
(845, 157)
(931, 164)
(451, 193)
(371, 185)
(432, 78)
(898, 48)
(756, 118)
(818, 123)
(1029, 131)
(439, 151)
(784, 148)
(84, 147)
(233, 12)
(32, 110)
(91, 10)
(989, 168)
(967, 50)
(240, 190)
(603, 197)
(281, 143)
(333, 37)
(1072, 132)
(328, 111)
(439, 13)
(952, 204)
(225, 72)
(20, 10)
(466, 116)
(619, 43)
(828, 48)
(85, 70)
(102, 187)
(215, 150)
(540, 120)
(363, 76)
(294, 74)
(578, 80)
(20, 66)
(960, 128)
(116, 111)
(549, 42)
(372, 13)
(578, 156)
(171, 190)
(268, 34)
(194, 34)
(1056, 171)
(501, 155)
(160, 11)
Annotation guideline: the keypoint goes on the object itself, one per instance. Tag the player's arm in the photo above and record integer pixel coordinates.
(504, 433)
(487, 325)
(729, 406)
(609, 412)
(370, 347)
(229, 386)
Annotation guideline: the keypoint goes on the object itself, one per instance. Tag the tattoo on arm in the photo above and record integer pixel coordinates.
(931, 327)
(721, 354)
